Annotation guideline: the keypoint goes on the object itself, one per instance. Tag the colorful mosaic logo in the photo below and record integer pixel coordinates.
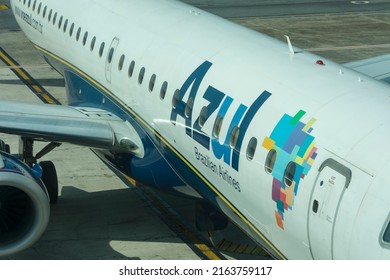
(292, 142)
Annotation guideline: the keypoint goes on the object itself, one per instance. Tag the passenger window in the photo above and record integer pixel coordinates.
(71, 30)
(202, 116)
(55, 18)
(175, 98)
(60, 22)
(163, 90)
(270, 161)
(189, 106)
(78, 34)
(152, 82)
(217, 126)
(39, 8)
(289, 173)
(386, 235)
(93, 43)
(65, 25)
(44, 12)
(49, 18)
(85, 38)
(29, 3)
(35, 2)
(234, 137)
(121, 61)
(110, 55)
(141, 75)
(131, 69)
(251, 149)
(101, 49)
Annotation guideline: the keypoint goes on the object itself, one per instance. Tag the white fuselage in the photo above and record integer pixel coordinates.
(175, 68)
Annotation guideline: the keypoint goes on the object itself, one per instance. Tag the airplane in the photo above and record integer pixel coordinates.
(289, 146)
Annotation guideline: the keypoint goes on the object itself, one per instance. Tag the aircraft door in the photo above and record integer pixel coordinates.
(110, 56)
(328, 191)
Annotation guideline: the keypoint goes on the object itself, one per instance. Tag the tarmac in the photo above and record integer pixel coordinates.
(101, 216)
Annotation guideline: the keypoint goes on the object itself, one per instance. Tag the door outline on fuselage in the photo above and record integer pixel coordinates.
(325, 199)
(110, 56)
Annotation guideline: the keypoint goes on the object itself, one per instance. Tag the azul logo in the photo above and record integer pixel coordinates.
(220, 102)
(290, 144)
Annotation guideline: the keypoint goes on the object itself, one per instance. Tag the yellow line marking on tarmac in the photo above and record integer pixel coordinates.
(19, 70)
(131, 180)
(6, 58)
(37, 88)
(3, 7)
(23, 75)
(205, 249)
(25, 66)
(207, 252)
(47, 98)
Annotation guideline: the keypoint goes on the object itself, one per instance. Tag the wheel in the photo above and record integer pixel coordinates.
(49, 178)
(4, 147)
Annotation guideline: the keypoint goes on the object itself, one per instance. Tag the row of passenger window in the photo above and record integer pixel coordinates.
(52, 17)
(234, 135)
(64, 24)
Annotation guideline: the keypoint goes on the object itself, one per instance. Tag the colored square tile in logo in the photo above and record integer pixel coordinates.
(297, 117)
(297, 136)
(305, 145)
(276, 186)
(299, 160)
(294, 153)
(308, 126)
(283, 199)
(289, 194)
(280, 206)
(282, 131)
(281, 162)
(268, 143)
(279, 219)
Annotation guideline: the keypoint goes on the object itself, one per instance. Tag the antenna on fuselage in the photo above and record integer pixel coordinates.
(290, 47)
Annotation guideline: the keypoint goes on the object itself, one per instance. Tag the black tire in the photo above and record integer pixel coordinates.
(4, 147)
(49, 178)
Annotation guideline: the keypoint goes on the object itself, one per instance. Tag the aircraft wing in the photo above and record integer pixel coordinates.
(375, 67)
(83, 126)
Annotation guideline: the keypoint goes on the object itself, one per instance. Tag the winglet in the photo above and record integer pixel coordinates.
(290, 47)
